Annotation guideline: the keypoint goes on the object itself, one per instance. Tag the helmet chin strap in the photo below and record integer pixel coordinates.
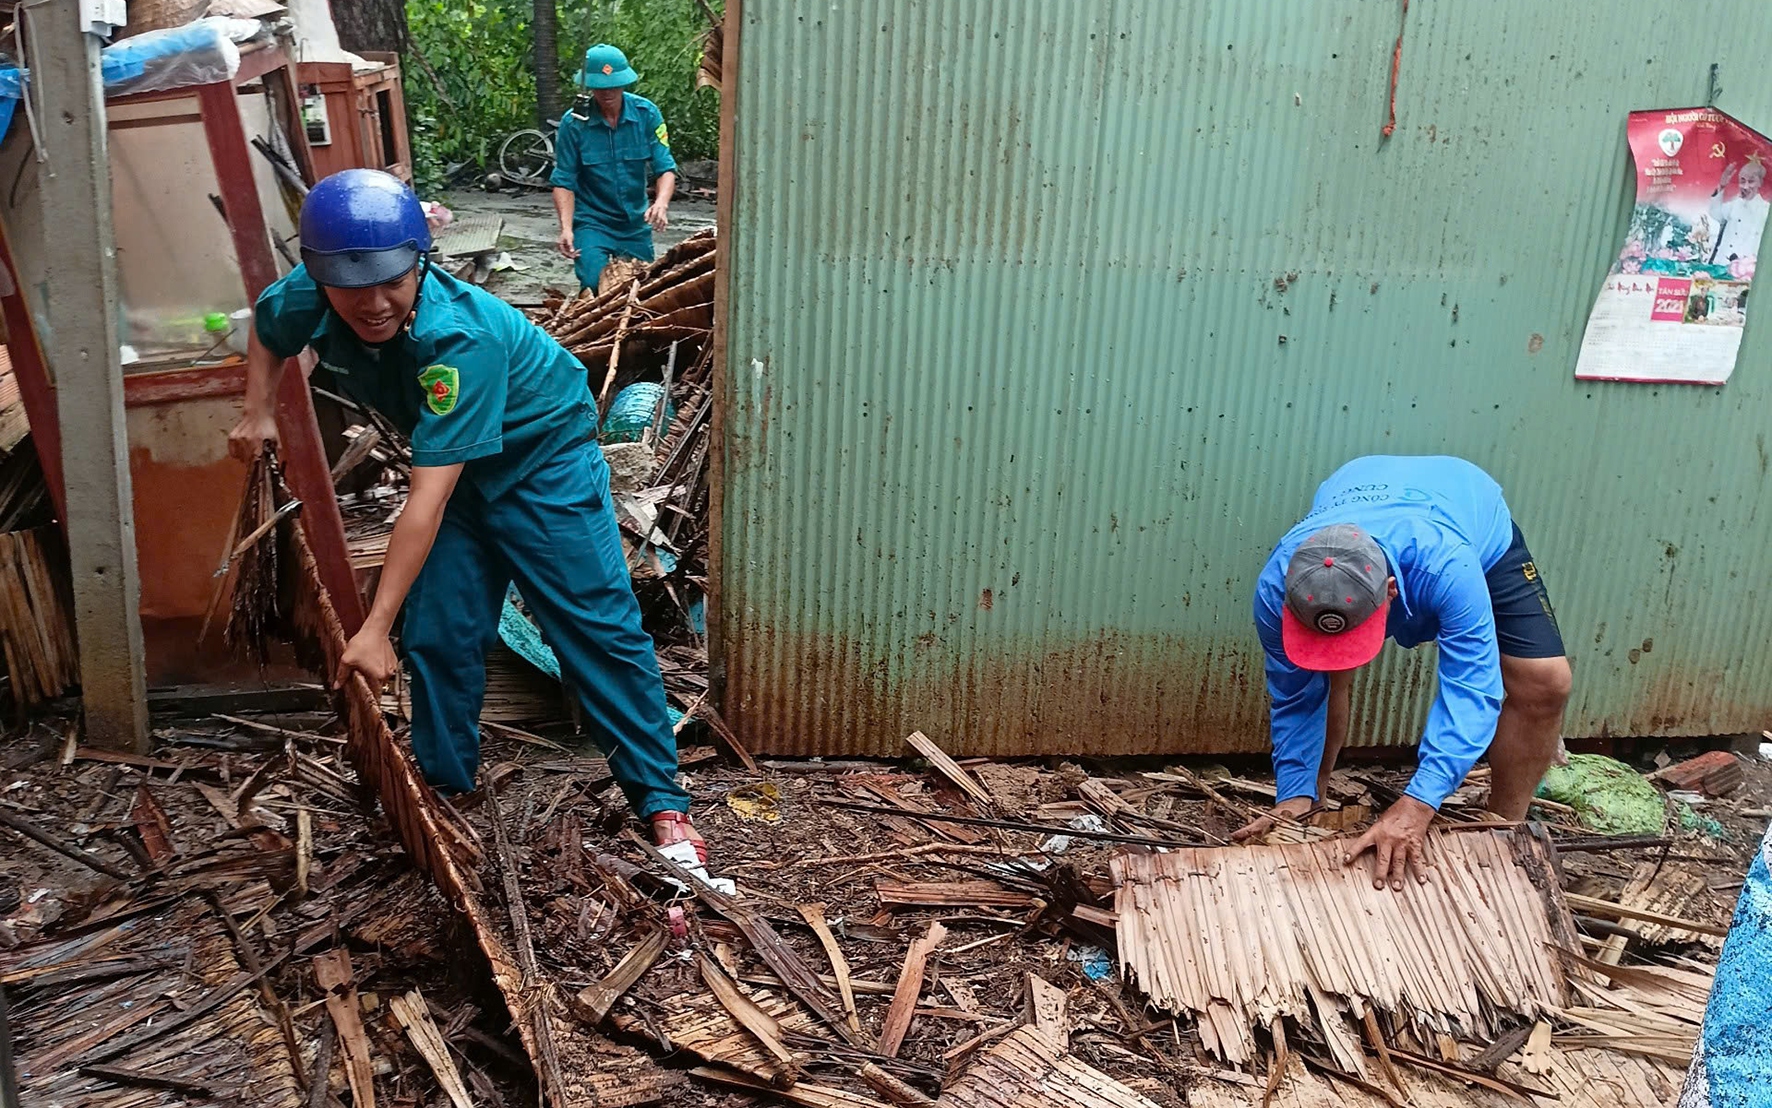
(424, 271)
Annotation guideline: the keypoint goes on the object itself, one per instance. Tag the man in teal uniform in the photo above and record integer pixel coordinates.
(508, 484)
(603, 161)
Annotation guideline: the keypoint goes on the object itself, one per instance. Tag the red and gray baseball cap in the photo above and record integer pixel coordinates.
(1336, 600)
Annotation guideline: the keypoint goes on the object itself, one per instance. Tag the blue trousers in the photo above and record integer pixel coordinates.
(555, 535)
(596, 245)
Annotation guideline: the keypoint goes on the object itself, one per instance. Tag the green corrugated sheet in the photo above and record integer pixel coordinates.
(1045, 317)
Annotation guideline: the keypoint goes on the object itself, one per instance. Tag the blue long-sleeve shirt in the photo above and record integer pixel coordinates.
(1442, 523)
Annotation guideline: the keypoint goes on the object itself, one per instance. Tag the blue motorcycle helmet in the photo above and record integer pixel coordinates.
(362, 227)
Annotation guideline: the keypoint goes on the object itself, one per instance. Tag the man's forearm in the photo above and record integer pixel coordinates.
(410, 544)
(563, 200)
(667, 186)
(264, 372)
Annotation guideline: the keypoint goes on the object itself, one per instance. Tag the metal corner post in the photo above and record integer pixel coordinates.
(81, 343)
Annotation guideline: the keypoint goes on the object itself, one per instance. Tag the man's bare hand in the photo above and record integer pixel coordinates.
(1398, 842)
(658, 215)
(1294, 809)
(371, 654)
(564, 244)
(247, 440)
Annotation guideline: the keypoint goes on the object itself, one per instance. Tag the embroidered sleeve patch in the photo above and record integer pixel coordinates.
(442, 385)
(664, 136)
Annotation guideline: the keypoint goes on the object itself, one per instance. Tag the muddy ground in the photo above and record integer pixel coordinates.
(530, 229)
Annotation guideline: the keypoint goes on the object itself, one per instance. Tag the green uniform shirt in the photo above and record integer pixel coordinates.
(470, 379)
(608, 168)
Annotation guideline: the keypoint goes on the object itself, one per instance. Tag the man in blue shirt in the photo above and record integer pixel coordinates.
(508, 484)
(603, 161)
(1419, 550)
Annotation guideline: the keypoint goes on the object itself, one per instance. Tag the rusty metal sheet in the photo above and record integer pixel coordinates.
(1042, 320)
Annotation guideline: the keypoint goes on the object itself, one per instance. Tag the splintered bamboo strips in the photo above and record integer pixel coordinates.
(621, 331)
(1473, 939)
(438, 844)
(814, 916)
(36, 624)
(415, 1017)
(910, 984)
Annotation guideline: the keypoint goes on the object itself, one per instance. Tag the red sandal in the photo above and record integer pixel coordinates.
(675, 827)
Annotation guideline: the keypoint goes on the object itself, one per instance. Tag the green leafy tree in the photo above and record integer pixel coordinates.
(475, 78)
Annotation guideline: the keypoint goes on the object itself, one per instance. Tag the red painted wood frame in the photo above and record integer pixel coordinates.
(304, 454)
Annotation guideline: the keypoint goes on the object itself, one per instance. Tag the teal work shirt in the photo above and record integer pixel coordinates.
(469, 379)
(608, 168)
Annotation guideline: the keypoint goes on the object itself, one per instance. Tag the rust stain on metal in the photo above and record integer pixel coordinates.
(1116, 693)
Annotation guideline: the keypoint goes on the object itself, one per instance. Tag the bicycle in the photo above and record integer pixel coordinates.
(526, 157)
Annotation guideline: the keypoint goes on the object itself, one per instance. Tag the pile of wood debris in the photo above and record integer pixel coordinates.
(221, 923)
(917, 933)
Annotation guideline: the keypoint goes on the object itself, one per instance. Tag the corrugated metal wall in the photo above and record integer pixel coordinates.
(1045, 317)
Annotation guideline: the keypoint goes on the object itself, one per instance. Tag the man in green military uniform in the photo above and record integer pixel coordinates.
(603, 161)
(508, 486)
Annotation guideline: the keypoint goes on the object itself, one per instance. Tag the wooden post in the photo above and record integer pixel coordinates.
(81, 273)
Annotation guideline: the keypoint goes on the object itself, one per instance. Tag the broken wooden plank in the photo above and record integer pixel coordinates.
(814, 916)
(333, 973)
(152, 825)
(1606, 909)
(890, 1087)
(948, 894)
(1003, 824)
(1671, 889)
(910, 985)
(950, 769)
(304, 848)
(60, 846)
(1027, 1069)
(1539, 1056)
(414, 1016)
(803, 1094)
(1045, 1009)
(1100, 917)
(696, 1023)
(319, 1077)
(1519, 1092)
(593, 1002)
(881, 786)
(1375, 1039)
(753, 1019)
(1105, 800)
(532, 992)
(709, 714)
(121, 1076)
(254, 823)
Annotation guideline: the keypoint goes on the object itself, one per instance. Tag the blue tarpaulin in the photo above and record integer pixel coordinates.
(195, 54)
(520, 633)
(1732, 1067)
